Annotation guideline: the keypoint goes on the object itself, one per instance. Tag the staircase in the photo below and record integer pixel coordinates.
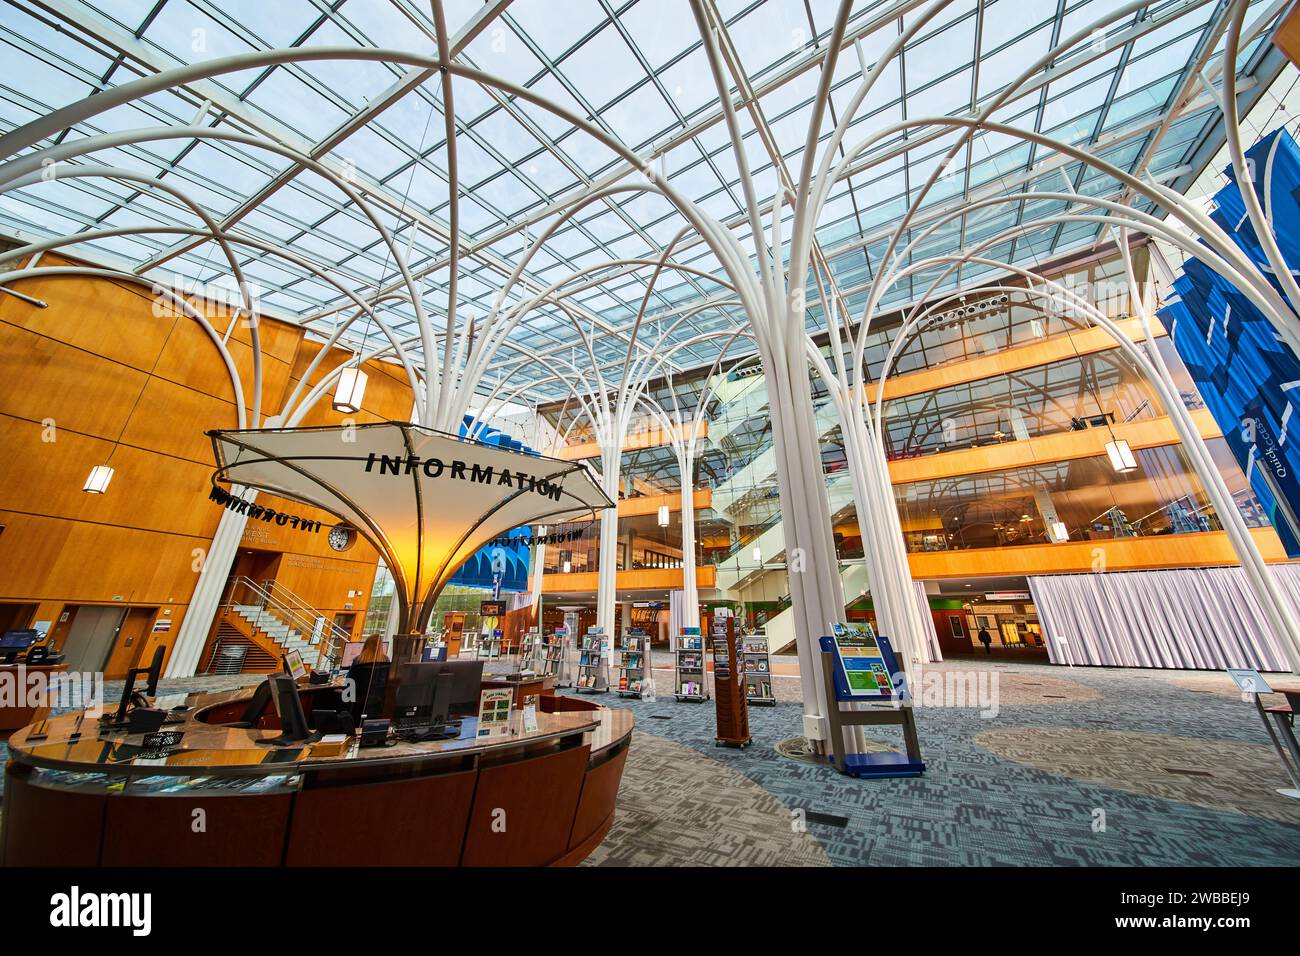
(760, 473)
(271, 620)
(258, 659)
(738, 567)
(265, 622)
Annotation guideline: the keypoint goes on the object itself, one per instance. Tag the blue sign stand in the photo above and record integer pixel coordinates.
(861, 667)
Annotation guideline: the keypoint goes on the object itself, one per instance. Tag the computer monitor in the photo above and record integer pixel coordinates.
(432, 691)
(293, 665)
(13, 643)
(351, 651)
(130, 696)
(293, 719)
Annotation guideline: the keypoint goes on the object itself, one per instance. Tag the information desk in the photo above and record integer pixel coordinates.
(534, 797)
(20, 705)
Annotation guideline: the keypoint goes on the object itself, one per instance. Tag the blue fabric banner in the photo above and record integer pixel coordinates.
(1249, 380)
(482, 568)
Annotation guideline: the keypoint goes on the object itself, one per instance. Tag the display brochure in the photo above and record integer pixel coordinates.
(865, 667)
(494, 712)
(1250, 681)
(530, 718)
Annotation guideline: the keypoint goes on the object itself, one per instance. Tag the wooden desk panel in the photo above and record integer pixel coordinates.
(403, 823)
(523, 811)
(45, 826)
(239, 830)
(599, 793)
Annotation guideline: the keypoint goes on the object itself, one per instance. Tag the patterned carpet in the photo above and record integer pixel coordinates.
(669, 791)
(996, 791)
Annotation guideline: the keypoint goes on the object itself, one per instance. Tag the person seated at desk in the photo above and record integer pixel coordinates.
(368, 679)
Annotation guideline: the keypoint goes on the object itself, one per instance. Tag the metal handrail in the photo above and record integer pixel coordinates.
(290, 599)
(295, 614)
(333, 637)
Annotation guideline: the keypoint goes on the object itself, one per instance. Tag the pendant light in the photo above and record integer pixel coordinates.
(100, 475)
(1060, 532)
(351, 389)
(663, 516)
(1120, 455)
(758, 554)
(1117, 449)
(97, 482)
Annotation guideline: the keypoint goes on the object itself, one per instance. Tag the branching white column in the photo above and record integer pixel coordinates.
(690, 589)
(213, 574)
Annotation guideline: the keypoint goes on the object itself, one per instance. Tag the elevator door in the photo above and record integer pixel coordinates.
(91, 637)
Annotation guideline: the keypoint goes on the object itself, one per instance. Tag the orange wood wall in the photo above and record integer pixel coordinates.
(99, 363)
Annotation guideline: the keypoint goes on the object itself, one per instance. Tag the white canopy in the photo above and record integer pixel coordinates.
(425, 499)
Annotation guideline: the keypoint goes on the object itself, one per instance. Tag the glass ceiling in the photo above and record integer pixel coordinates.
(639, 70)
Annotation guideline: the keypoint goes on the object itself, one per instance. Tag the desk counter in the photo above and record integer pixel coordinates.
(81, 796)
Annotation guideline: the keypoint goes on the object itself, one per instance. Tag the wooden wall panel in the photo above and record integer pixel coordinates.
(78, 562)
(1058, 348)
(80, 390)
(84, 362)
(642, 579)
(148, 491)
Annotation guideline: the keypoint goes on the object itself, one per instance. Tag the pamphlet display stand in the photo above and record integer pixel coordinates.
(631, 663)
(531, 651)
(556, 662)
(729, 686)
(593, 673)
(688, 676)
(488, 646)
(758, 669)
(860, 668)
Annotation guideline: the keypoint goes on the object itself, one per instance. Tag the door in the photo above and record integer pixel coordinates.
(132, 638)
(91, 636)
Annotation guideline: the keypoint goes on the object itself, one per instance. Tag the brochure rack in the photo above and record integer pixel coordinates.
(555, 659)
(531, 652)
(757, 664)
(633, 671)
(729, 685)
(688, 675)
(593, 673)
(488, 646)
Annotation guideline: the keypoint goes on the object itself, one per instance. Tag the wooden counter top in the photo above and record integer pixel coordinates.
(99, 800)
(222, 750)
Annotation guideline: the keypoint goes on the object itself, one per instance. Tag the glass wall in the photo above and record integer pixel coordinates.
(1084, 391)
(1093, 502)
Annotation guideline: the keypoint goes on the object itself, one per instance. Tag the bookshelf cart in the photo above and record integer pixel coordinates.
(553, 656)
(758, 669)
(688, 676)
(632, 670)
(593, 676)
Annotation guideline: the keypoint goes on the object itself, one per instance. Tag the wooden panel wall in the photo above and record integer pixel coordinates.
(103, 363)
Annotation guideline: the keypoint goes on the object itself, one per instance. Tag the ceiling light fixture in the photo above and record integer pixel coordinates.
(1121, 456)
(351, 390)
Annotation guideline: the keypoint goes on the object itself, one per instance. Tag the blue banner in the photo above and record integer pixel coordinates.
(1249, 380)
(510, 563)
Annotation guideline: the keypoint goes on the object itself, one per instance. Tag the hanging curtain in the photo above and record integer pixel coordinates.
(1196, 618)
